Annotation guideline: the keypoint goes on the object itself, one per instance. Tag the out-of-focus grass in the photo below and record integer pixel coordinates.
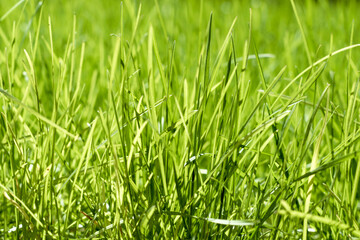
(179, 119)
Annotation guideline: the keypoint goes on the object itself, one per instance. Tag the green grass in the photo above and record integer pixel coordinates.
(185, 119)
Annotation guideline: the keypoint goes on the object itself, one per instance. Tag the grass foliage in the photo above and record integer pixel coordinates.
(184, 119)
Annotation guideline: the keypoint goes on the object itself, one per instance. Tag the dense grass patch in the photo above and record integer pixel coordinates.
(179, 119)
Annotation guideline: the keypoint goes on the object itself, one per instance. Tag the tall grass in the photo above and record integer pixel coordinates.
(179, 119)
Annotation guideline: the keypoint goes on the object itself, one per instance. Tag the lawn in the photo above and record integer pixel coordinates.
(165, 119)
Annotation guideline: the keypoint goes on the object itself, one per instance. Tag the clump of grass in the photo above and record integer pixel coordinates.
(162, 119)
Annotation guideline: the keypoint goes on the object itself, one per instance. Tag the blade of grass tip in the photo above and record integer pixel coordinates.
(151, 79)
(314, 162)
(25, 32)
(200, 34)
(220, 56)
(159, 63)
(313, 65)
(36, 42)
(207, 55)
(274, 127)
(220, 102)
(241, 86)
(135, 27)
(131, 10)
(38, 115)
(245, 57)
(114, 65)
(78, 80)
(167, 89)
(11, 59)
(302, 32)
(51, 49)
(226, 175)
(161, 19)
(235, 62)
(72, 64)
(259, 65)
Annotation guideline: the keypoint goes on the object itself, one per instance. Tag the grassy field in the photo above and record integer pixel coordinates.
(165, 119)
